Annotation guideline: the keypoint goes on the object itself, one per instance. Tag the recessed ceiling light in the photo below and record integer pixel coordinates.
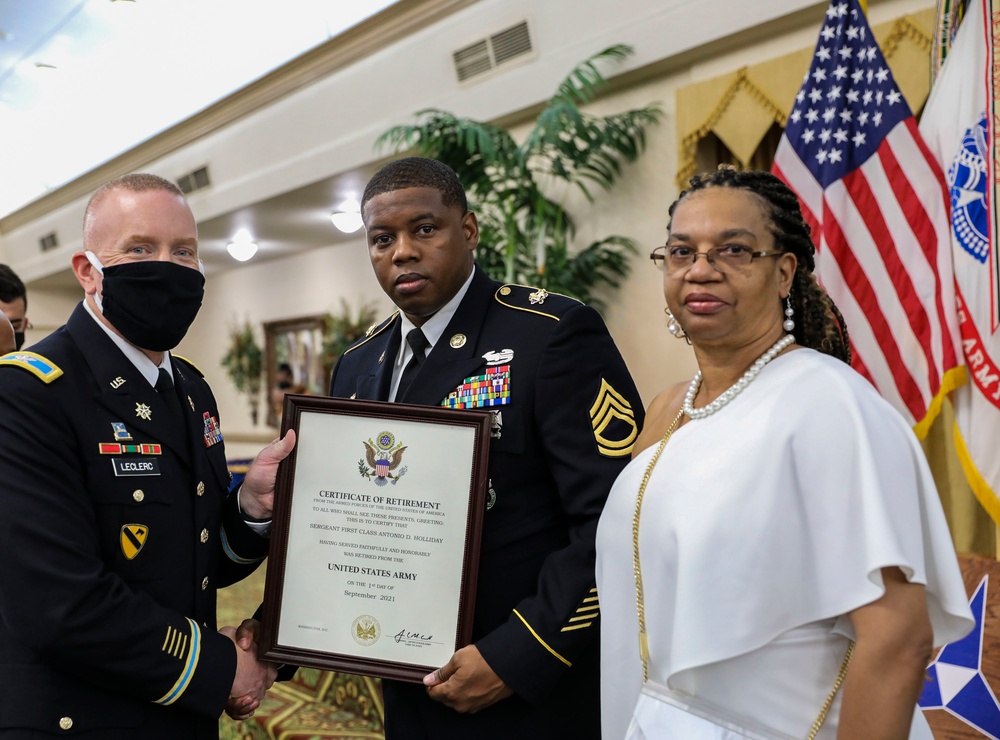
(242, 247)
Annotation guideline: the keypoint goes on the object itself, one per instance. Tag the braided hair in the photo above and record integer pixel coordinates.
(818, 323)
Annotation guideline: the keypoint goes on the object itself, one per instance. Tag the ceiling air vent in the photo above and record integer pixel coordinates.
(481, 57)
(49, 241)
(194, 180)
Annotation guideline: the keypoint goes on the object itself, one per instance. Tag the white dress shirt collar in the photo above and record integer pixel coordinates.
(433, 328)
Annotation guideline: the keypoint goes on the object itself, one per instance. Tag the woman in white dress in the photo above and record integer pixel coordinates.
(781, 568)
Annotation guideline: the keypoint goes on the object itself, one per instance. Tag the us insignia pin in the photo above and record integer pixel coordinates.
(132, 538)
(457, 341)
(143, 411)
(118, 382)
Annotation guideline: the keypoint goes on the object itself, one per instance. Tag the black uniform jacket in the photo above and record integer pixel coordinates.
(557, 447)
(116, 528)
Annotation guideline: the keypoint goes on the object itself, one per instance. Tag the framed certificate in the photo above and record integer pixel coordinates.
(375, 541)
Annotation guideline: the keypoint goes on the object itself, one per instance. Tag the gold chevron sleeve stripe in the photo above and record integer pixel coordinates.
(572, 627)
(187, 671)
(582, 617)
(543, 643)
(590, 598)
(166, 638)
(181, 646)
(591, 610)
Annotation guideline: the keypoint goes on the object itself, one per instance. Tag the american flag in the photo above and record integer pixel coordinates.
(877, 204)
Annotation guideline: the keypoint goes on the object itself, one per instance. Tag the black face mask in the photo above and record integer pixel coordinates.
(18, 339)
(152, 303)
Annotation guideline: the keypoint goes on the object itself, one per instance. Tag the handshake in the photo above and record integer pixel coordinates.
(253, 677)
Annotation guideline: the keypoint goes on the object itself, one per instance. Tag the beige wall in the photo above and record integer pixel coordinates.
(315, 281)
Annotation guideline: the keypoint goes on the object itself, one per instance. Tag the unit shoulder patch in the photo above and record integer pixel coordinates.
(41, 367)
(613, 421)
(186, 361)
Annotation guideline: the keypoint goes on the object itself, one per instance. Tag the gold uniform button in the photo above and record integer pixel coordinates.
(204, 583)
(203, 536)
(138, 495)
(505, 290)
(66, 723)
(200, 490)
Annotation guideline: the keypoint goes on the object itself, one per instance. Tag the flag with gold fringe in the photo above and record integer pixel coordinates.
(958, 125)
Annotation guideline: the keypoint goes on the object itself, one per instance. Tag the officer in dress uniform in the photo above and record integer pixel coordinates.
(565, 415)
(118, 525)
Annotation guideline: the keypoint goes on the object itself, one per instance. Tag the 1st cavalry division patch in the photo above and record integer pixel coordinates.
(613, 421)
(133, 537)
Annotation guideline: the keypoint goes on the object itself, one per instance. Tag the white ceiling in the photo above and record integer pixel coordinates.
(128, 69)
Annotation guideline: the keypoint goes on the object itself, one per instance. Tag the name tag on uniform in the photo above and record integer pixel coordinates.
(126, 466)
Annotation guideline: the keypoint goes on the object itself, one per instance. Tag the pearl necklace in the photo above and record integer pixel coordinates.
(736, 388)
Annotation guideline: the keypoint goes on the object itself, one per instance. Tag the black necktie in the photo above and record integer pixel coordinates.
(165, 387)
(418, 343)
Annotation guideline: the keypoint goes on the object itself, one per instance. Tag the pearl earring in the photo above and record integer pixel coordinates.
(673, 325)
(788, 323)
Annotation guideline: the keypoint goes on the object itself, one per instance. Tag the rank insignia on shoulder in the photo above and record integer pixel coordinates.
(35, 364)
(492, 388)
(132, 538)
(613, 421)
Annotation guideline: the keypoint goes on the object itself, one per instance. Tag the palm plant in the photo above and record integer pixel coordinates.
(519, 191)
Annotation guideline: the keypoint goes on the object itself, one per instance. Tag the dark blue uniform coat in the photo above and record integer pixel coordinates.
(107, 590)
(558, 445)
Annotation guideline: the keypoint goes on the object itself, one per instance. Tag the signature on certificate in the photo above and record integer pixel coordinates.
(405, 634)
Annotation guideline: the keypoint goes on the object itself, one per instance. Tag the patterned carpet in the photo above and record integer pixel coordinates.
(315, 704)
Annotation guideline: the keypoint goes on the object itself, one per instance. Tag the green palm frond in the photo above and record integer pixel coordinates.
(511, 187)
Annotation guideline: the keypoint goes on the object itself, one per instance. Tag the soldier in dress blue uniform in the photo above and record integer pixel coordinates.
(566, 413)
(118, 525)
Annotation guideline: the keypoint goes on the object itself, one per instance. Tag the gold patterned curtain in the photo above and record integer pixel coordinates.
(742, 108)
(738, 118)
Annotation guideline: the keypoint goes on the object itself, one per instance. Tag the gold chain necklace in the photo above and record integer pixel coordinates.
(640, 606)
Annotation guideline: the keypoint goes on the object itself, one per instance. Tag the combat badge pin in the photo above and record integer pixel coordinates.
(498, 357)
(143, 411)
(120, 432)
(132, 538)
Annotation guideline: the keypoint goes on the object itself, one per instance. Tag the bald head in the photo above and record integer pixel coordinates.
(7, 343)
(137, 182)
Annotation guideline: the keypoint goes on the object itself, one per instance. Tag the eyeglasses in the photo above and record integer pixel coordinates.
(726, 258)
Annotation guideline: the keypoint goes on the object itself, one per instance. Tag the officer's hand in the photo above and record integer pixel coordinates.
(257, 493)
(253, 677)
(241, 707)
(466, 683)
